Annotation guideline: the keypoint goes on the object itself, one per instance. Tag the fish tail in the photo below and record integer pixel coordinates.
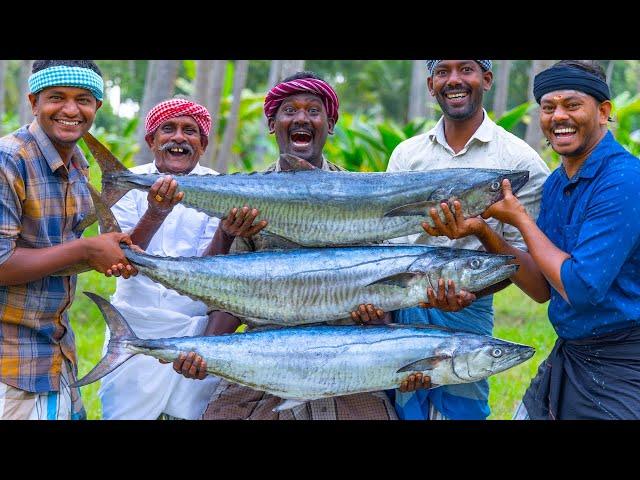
(120, 335)
(109, 165)
(106, 218)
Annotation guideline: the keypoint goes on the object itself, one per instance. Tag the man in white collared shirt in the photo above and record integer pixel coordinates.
(142, 388)
(464, 137)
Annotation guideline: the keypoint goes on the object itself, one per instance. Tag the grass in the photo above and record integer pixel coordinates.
(517, 319)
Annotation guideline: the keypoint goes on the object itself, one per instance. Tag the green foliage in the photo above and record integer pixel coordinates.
(626, 113)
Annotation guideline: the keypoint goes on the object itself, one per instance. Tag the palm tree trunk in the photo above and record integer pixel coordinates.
(418, 91)
(502, 88)
(215, 96)
(239, 81)
(289, 67)
(159, 85)
(534, 135)
(24, 107)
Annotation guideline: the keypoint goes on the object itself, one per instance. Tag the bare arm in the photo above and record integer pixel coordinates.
(544, 258)
(103, 253)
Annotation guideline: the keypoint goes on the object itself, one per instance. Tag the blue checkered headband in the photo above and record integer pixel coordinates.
(64, 76)
(431, 65)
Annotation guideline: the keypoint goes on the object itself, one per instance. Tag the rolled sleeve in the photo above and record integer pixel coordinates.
(601, 245)
(11, 192)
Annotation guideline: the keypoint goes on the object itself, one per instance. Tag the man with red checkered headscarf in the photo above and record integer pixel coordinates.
(177, 133)
(301, 111)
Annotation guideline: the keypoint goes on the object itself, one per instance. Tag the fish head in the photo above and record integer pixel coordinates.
(487, 190)
(479, 357)
(470, 270)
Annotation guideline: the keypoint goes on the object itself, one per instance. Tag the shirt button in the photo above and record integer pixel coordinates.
(567, 192)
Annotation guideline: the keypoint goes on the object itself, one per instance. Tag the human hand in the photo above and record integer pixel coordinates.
(509, 209)
(162, 195)
(190, 365)
(370, 315)
(239, 222)
(105, 255)
(447, 299)
(414, 382)
(456, 226)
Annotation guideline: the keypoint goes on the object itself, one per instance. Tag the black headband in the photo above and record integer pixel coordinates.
(569, 78)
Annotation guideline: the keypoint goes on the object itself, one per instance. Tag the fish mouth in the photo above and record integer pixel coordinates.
(517, 354)
(517, 179)
(495, 274)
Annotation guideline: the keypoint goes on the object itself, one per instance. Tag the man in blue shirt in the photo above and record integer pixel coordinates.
(584, 251)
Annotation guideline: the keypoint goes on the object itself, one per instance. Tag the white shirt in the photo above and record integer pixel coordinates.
(143, 388)
(491, 146)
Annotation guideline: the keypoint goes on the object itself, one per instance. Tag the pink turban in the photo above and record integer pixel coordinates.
(302, 85)
(177, 107)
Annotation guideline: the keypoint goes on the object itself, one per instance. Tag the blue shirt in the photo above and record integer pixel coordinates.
(595, 217)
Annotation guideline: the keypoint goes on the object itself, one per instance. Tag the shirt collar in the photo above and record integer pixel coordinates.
(50, 153)
(325, 165)
(484, 133)
(197, 170)
(592, 164)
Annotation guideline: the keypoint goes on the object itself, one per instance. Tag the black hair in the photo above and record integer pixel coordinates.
(590, 66)
(303, 74)
(42, 64)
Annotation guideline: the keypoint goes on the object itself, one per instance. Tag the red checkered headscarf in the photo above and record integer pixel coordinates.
(177, 107)
(302, 85)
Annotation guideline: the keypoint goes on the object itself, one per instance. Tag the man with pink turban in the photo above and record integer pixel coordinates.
(177, 133)
(301, 111)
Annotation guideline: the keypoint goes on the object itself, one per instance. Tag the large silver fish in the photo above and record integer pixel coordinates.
(311, 285)
(307, 363)
(318, 208)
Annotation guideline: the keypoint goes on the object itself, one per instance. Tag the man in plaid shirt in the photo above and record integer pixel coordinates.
(43, 198)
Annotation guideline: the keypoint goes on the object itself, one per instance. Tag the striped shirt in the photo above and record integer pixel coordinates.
(41, 204)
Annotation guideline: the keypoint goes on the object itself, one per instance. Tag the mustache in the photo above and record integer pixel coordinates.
(172, 144)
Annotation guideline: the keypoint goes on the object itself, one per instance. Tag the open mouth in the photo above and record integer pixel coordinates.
(301, 138)
(178, 151)
(68, 123)
(564, 132)
(456, 96)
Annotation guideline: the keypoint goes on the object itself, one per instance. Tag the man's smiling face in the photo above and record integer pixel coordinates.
(64, 113)
(301, 126)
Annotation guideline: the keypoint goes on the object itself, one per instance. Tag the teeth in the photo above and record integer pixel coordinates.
(456, 95)
(564, 130)
(176, 150)
(71, 124)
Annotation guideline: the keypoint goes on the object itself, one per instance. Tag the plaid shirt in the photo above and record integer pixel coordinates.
(41, 203)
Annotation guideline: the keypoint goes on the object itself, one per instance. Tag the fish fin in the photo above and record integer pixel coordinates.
(296, 164)
(399, 280)
(120, 332)
(423, 364)
(288, 404)
(106, 218)
(418, 209)
(108, 165)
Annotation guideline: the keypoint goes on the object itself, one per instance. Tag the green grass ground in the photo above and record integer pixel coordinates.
(517, 319)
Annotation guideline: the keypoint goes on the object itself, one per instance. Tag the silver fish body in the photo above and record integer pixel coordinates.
(319, 208)
(305, 363)
(311, 285)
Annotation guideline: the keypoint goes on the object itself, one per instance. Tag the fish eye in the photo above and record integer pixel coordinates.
(496, 352)
(495, 186)
(475, 263)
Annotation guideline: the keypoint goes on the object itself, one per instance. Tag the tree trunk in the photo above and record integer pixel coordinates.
(275, 70)
(215, 96)
(418, 91)
(289, 67)
(159, 86)
(501, 88)
(201, 92)
(609, 73)
(3, 74)
(24, 107)
(534, 135)
(239, 81)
